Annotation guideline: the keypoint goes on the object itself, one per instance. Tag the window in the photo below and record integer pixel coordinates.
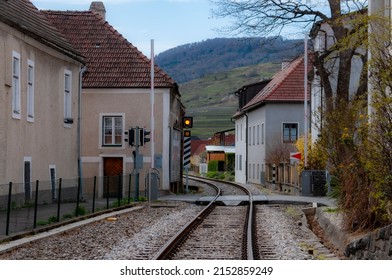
(112, 130)
(258, 134)
(67, 97)
(30, 91)
(254, 135)
(262, 133)
(15, 85)
(250, 136)
(290, 132)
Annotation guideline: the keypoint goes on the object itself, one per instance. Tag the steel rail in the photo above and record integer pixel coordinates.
(250, 251)
(183, 233)
(250, 239)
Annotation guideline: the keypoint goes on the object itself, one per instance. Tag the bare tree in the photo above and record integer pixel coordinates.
(271, 17)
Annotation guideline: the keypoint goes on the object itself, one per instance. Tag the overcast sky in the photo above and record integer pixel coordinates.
(169, 22)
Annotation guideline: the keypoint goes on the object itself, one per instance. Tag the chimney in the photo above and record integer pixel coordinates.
(285, 63)
(99, 8)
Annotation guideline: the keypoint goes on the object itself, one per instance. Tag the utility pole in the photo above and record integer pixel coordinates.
(306, 101)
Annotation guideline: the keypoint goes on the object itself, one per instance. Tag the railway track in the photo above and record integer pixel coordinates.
(217, 232)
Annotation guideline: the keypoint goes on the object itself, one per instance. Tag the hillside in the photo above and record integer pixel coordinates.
(196, 60)
(209, 72)
(211, 100)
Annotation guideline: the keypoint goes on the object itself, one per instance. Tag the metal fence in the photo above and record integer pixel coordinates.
(32, 205)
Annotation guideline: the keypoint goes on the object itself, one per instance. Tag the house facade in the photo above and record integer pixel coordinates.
(269, 124)
(39, 87)
(382, 8)
(116, 98)
(323, 40)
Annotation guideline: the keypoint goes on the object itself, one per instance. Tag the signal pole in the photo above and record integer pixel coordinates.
(136, 160)
(152, 122)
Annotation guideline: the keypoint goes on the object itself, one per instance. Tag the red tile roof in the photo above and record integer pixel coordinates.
(25, 17)
(286, 86)
(111, 61)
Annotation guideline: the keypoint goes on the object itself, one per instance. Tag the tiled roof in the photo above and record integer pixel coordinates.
(111, 61)
(286, 86)
(25, 17)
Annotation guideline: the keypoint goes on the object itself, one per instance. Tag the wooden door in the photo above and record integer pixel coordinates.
(112, 171)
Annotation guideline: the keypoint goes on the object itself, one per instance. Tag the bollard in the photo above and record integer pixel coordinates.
(273, 173)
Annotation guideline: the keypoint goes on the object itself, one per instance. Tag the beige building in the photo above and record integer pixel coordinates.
(39, 85)
(116, 97)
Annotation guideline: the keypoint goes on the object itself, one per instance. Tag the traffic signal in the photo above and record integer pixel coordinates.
(187, 122)
(187, 133)
(143, 136)
(131, 137)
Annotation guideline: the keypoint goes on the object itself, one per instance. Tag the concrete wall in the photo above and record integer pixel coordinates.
(46, 140)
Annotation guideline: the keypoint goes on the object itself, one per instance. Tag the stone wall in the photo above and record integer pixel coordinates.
(373, 246)
(376, 245)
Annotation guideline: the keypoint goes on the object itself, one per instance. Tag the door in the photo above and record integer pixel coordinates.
(112, 171)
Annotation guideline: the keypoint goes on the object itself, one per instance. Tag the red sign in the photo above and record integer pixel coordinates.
(295, 156)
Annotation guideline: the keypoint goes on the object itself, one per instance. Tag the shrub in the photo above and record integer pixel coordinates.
(80, 211)
(213, 166)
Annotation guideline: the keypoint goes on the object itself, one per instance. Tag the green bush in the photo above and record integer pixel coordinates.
(80, 211)
(212, 174)
(213, 166)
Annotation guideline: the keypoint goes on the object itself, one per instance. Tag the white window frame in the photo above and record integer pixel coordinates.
(254, 135)
(249, 135)
(16, 91)
(103, 144)
(30, 90)
(68, 97)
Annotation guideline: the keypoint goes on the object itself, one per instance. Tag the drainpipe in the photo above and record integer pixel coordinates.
(79, 128)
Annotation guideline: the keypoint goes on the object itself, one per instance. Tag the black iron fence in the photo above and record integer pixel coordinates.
(32, 205)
